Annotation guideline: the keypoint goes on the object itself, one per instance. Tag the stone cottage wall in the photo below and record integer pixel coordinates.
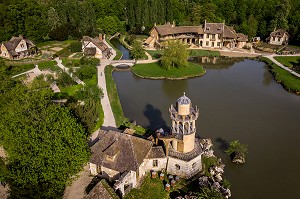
(184, 169)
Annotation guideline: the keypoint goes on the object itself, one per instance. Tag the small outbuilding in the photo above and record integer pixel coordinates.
(279, 37)
(18, 48)
(95, 47)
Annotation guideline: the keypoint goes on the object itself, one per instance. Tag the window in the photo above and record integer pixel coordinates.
(177, 166)
(218, 44)
(22, 45)
(207, 43)
(212, 44)
(207, 36)
(155, 163)
(194, 165)
(213, 36)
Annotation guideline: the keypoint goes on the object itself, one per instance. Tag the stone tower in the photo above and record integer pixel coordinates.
(183, 128)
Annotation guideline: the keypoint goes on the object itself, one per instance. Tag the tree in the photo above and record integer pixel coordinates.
(175, 54)
(237, 151)
(44, 143)
(137, 51)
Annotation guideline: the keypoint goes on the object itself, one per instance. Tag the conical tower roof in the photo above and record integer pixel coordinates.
(183, 100)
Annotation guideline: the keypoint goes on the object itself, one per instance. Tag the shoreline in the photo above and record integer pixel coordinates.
(168, 78)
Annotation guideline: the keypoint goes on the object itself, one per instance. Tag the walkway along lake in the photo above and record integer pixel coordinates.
(236, 101)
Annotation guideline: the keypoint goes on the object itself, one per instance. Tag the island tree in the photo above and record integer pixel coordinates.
(175, 54)
(237, 151)
(45, 144)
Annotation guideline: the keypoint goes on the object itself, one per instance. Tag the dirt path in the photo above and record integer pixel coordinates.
(77, 189)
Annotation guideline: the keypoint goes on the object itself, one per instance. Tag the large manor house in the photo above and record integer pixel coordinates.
(207, 35)
(124, 159)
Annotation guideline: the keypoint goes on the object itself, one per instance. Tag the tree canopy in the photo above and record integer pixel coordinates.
(45, 144)
(175, 54)
(53, 19)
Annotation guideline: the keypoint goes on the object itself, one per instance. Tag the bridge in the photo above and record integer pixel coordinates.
(122, 62)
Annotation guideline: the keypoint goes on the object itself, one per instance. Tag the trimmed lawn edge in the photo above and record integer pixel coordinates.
(168, 78)
(280, 75)
(113, 95)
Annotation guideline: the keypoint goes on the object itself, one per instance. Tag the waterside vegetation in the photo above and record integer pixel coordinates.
(155, 71)
(113, 96)
(289, 81)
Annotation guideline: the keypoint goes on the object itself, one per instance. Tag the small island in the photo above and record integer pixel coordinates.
(155, 71)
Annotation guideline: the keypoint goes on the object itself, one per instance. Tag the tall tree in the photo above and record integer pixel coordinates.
(44, 143)
(175, 54)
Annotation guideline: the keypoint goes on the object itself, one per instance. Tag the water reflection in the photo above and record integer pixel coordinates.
(169, 85)
(267, 76)
(216, 62)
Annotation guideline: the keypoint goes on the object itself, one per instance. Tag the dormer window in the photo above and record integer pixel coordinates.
(219, 28)
(207, 28)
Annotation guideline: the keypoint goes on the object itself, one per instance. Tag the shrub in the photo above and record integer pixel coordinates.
(75, 46)
(86, 72)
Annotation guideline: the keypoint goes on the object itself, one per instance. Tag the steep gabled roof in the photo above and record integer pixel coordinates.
(213, 28)
(129, 151)
(96, 41)
(14, 42)
(229, 32)
(279, 33)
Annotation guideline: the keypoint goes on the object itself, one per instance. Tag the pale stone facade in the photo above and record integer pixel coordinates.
(279, 37)
(208, 35)
(95, 47)
(17, 48)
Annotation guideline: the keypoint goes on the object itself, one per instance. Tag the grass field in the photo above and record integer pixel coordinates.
(113, 96)
(286, 79)
(49, 65)
(204, 53)
(288, 61)
(155, 71)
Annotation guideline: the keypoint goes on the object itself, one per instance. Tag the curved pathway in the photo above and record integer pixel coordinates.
(271, 57)
(109, 119)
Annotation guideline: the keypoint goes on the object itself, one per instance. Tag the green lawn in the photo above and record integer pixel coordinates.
(155, 188)
(119, 53)
(288, 61)
(70, 62)
(289, 81)
(49, 65)
(154, 71)
(113, 96)
(71, 90)
(155, 53)
(150, 189)
(204, 53)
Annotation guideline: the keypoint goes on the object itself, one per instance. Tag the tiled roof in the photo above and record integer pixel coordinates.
(213, 28)
(156, 152)
(98, 192)
(96, 41)
(278, 33)
(242, 37)
(129, 151)
(14, 42)
(168, 29)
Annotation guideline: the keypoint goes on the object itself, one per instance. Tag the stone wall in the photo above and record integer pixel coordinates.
(184, 169)
(147, 165)
(22, 46)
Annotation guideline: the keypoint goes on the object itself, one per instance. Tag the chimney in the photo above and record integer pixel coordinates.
(154, 24)
(205, 25)
(100, 37)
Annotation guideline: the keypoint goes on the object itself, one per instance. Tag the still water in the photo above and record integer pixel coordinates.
(237, 100)
(115, 42)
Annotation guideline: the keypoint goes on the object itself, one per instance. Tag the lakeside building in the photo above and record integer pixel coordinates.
(95, 47)
(18, 48)
(279, 37)
(207, 35)
(124, 159)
